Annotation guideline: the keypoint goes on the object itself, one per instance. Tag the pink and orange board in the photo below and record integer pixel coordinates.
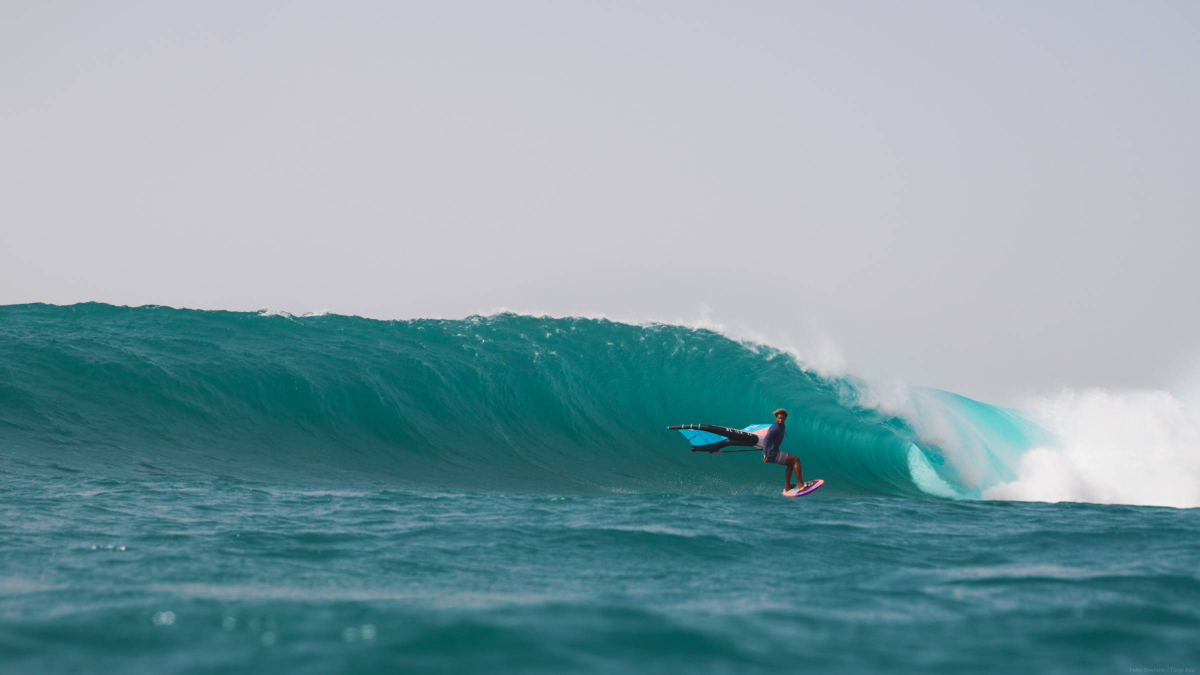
(796, 492)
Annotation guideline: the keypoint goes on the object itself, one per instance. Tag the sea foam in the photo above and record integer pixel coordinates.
(1138, 447)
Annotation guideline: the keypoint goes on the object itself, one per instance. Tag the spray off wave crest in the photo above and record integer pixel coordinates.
(508, 402)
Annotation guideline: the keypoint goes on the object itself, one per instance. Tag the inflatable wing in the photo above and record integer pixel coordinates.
(712, 438)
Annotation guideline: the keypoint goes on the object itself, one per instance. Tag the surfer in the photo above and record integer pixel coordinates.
(773, 455)
(767, 437)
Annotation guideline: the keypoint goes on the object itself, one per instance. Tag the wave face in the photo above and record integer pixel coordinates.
(505, 402)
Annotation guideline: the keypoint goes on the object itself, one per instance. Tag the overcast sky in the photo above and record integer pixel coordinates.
(994, 198)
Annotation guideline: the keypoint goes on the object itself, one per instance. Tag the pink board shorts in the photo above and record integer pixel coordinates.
(781, 458)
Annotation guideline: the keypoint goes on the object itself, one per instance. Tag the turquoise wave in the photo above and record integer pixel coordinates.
(506, 402)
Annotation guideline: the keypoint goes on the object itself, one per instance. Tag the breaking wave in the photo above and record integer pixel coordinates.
(503, 402)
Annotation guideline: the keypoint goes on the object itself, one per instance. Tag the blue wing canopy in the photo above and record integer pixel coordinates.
(697, 437)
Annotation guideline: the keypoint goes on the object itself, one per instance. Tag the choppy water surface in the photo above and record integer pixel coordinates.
(162, 574)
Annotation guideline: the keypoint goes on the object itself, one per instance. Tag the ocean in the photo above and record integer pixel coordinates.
(191, 491)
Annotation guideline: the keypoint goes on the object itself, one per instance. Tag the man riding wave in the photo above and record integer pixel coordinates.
(773, 455)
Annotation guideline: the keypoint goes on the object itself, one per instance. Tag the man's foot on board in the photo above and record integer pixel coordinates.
(790, 488)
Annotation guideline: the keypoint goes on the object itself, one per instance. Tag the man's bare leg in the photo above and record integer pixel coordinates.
(787, 477)
(794, 463)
